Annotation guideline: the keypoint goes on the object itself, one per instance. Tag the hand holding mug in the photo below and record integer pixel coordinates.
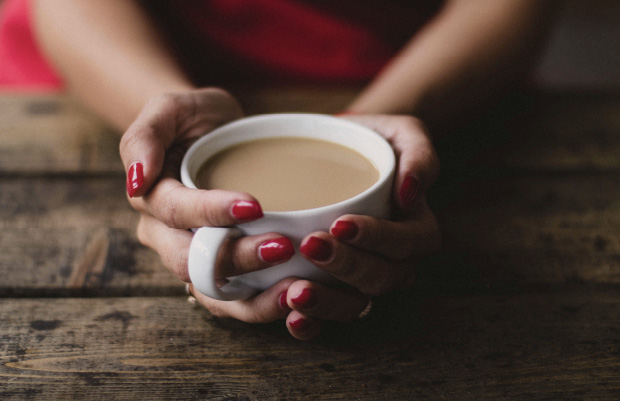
(306, 169)
(374, 256)
(152, 150)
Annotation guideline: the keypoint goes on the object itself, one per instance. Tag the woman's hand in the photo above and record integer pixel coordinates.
(152, 150)
(372, 256)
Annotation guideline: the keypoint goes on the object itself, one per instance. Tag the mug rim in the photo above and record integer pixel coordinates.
(189, 181)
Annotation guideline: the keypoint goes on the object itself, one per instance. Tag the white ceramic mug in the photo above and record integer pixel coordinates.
(207, 241)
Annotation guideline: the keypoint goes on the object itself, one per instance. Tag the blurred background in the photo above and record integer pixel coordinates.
(584, 48)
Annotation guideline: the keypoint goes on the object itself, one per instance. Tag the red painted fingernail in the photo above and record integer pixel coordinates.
(344, 230)
(135, 178)
(282, 301)
(408, 191)
(307, 299)
(317, 249)
(276, 250)
(247, 210)
(299, 324)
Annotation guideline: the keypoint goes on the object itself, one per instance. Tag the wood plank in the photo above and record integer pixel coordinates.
(81, 262)
(557, 228)
(65, 202)
(553, 345)
(74, 236)
(521, 229)
(552, 132)
(53, 133)
(533, 132)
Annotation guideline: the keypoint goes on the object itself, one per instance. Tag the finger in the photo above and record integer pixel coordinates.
(143, 146)
(171, 244)
(395, 240)
(302, 327)
(181, 207)
(248, 254)
(418, 164)
(170, 118)
(238, 256)
(263, 308)
(318, 301)
(369, 272)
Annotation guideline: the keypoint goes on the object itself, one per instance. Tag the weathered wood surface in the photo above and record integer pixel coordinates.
(552, 346)
(56, 232)
(537, 188)
(53, 134)
(549, 132)
(522, 302)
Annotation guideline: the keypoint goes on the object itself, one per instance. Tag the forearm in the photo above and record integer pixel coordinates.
(109, 54)
(468, 53)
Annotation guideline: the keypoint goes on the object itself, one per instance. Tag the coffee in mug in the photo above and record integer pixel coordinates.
(289, 173)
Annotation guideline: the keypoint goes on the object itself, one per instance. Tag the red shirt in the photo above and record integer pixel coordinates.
(318, 41)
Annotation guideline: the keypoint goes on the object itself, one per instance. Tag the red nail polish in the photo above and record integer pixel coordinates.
(282, 301)
(307, 299)
(299, 324)
(135, 178)
(276, 250)
(408, 191)
(344, 230)
(247, 210)
(317, 249)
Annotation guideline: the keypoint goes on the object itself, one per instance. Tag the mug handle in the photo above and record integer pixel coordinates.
(203, 254)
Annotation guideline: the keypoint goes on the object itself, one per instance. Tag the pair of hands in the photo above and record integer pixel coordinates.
(372, 257)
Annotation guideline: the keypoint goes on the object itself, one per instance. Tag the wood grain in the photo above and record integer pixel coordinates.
(522, 302)
(44, 134)
(531, 346)
(548, 131)
(538, 228)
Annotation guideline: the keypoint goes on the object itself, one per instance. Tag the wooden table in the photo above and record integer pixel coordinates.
(522, 303)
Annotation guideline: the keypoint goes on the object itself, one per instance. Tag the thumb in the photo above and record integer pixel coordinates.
(167, 119)
(144, 145)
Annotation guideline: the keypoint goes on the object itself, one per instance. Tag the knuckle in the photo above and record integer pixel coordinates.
(343, 267)
(258, 315)
(130, 140)
(168, 213)
(216, 309)
(412, 123)
(141, 232)
(178, 265)
(381, 285)
(213, 215)
(165, 102)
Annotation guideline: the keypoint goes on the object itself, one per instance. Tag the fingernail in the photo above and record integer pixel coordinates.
(299, 324)
(307, 299)
(135, 178)
(282, 301)
(408, 191)
(344, 230)
(276, 250)
(247, 210)
(317, 249)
